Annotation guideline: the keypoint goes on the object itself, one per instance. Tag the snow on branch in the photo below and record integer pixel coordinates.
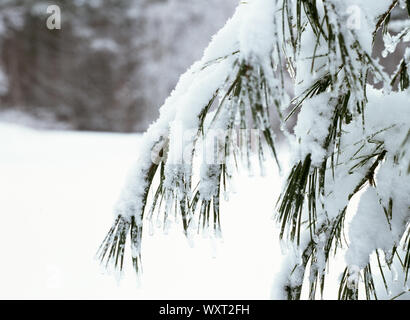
(350, 141)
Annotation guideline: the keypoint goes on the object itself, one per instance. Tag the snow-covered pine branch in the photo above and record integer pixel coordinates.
(350, 139)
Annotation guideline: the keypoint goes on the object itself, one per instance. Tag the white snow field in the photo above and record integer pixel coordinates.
(57, 191)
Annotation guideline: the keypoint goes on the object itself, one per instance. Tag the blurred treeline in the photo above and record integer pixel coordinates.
(111, 64)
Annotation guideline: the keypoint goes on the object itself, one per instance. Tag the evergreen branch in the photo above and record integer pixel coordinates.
(312, 14)
(292, 199)
(318, 87)
(408, 6)
(369, 176)
(369, 283)
(400, 294)
(381, 271)
(246, 97)
(384, 16)
(406, 264)
(348, 290)
(402, 75)
(112, 249)
(294, 291)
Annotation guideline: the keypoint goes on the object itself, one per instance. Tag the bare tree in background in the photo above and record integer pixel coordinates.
(111, 63)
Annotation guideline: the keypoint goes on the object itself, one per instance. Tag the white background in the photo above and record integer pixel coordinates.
(57, 191)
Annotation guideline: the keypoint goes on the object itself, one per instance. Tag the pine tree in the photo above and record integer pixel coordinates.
(351, 141)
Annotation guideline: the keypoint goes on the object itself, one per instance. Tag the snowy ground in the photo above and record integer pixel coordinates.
(57, 190)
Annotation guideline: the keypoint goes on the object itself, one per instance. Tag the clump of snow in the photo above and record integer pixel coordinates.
(365, 237)
(389, 126)
(256, 34)
(313, 128)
